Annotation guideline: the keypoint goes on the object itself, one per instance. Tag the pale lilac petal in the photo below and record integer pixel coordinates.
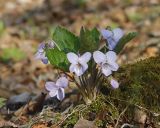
(60, 94)
(99, 57)
(117, 34)
(78, 70)
(45, 61)
(72, 58)
(106, 71)
(111, 56)
(38, 55)
(41, 55)
(85, 58)
(62, 82)
(41, 47)
(111, 43)
(71, 68)
(113, 66)
(50, 86)
(114, 83)
(84, 67)
(106, 33)
(53, 93)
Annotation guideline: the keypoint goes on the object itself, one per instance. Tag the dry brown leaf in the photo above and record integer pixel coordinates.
(43, 125)
(4, 123)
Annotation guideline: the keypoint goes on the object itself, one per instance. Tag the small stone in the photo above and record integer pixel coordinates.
(140, 116)
(82, 123)
(15, 102)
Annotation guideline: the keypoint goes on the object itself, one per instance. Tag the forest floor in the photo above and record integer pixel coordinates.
(26, 23)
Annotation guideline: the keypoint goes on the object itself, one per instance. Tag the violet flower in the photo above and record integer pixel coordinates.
(57, 89)
(112, 37)
(107, 62)
(114, 83)
(40, 54)
(78, 63)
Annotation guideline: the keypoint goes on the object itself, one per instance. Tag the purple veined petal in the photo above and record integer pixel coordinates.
(106, 33)
(85, 58)
(41, 47)
(111, 56)
(60, 94)
(72, 58)
(71, 68)
(117, 34)
(53, 93)
(113, 66)
(111, 43)
(84, 67)
(78, 69)
(106, 71)
(42, 57)
(38, 55)
(114, 83)
(99, 57)
(62, 82)
(45, 61)
(50, 86)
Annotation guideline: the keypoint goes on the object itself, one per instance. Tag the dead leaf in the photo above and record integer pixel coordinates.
(40, 125)
(4, 123)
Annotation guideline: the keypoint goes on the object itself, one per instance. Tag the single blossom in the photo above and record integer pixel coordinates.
(40, 54)
(57, 89)
(112, 37)
(78, 63)
(114, 83)
(107, 62)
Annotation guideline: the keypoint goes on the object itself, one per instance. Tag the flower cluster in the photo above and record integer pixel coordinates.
(105, 64)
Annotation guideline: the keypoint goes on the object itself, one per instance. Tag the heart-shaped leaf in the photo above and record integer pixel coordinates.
(89, 40)
(57, 58)
(65, 40)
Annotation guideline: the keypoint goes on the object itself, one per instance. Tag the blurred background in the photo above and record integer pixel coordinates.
(26, 23)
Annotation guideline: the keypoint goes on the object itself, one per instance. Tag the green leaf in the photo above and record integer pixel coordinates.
(2, 101)
(65, 40)
(89, 40)
(124, 40)
(57, 58)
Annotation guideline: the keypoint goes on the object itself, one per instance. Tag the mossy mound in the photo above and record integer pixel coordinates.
(140, 84)
(139, 88)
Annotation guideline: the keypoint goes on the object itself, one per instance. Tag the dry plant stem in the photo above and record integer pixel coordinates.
(73, 79)
(76, 109)
(116, 125)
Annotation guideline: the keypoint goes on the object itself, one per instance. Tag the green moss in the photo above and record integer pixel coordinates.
(71, 121)
(140, 83)
(139, 86)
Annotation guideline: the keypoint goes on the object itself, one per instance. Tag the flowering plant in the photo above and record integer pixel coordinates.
(86, 60)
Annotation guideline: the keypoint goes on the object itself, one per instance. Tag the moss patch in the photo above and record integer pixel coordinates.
(140, 86)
